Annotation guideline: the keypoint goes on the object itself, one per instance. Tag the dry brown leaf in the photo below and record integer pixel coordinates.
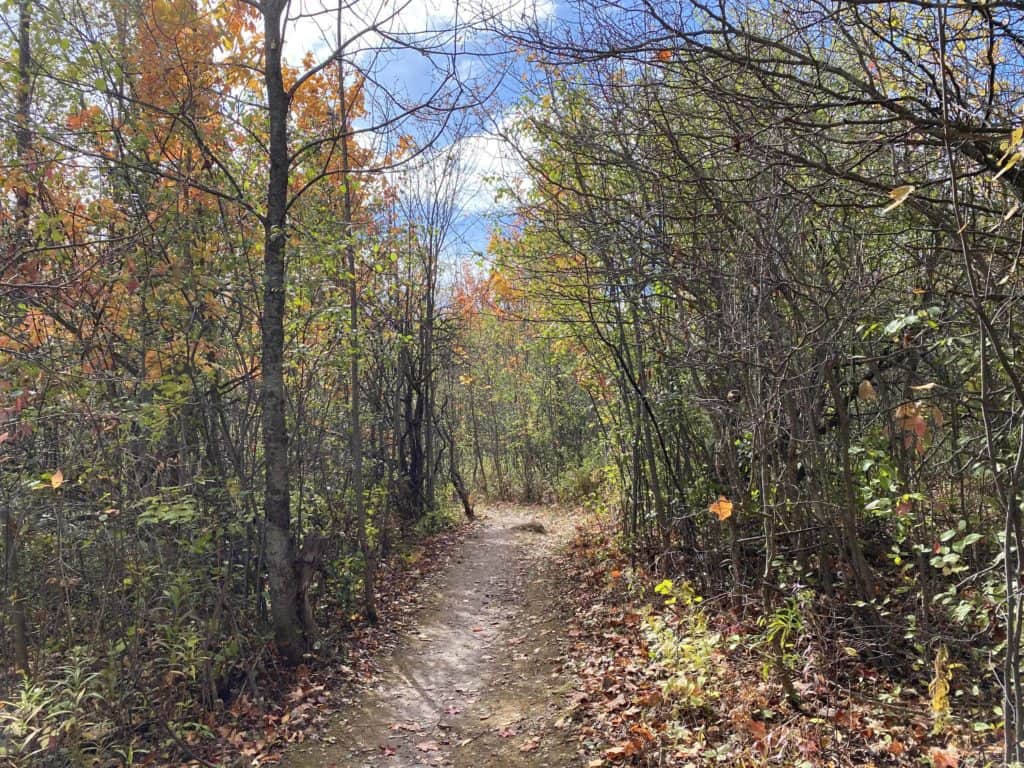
(530, 744)
(722, 508)
(944, 758)
(866, 391)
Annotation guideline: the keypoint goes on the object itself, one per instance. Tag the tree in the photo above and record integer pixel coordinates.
(793, 201)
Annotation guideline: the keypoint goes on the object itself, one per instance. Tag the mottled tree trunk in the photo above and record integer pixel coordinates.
(22, 236)
(280, 545)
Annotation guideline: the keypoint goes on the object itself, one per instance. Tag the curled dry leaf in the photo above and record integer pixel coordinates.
(866, 391)
(721, 508)
(899, 196)
(530, 744)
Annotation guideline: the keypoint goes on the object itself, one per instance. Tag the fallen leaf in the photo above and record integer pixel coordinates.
(944, 758)
(623, 750)
(428, 746)
(531, 744)
(411, 727)
(756, 728)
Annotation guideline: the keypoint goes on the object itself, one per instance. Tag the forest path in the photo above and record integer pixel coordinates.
(476, 682)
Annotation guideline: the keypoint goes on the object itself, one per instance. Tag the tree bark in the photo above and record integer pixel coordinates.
(22, 236)
(356, 434)
(280, 545)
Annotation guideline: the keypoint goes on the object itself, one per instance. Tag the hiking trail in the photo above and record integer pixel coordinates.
(477, 680)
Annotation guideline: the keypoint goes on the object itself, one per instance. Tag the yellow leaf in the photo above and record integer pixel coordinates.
(1009, 146)
(938, 688)
(924, 387)
(721, 508)
(56, 479)
(1014, 159)
(899, 196)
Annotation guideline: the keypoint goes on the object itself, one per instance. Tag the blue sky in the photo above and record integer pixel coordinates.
(385, 38)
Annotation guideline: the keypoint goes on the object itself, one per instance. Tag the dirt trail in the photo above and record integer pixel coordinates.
(476, 683)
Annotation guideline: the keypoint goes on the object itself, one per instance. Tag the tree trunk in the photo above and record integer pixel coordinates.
(356, 434)
(280, 545)
(22, 235)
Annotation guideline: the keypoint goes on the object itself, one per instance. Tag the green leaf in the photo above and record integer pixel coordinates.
(664, 587)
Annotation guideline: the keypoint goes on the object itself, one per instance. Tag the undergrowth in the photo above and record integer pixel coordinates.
(668, 677)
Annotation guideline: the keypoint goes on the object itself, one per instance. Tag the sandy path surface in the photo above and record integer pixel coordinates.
(476, 683)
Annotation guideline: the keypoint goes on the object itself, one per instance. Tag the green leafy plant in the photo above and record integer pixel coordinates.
(687, 656)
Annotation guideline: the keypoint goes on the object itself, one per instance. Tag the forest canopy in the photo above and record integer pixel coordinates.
(750, 288)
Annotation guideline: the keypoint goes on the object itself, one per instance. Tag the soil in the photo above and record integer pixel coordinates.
(477, 681)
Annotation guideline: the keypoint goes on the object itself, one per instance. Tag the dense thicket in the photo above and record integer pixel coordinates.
(761, 297)
(784, 241)
(221, 353)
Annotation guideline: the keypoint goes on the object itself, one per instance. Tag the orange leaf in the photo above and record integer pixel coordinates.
(944, 758)
(56, 479)
(623, 750)
(664, 55)
(721, 508)
(756, 728)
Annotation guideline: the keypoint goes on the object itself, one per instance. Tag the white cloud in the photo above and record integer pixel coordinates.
(314, 24)
(491, 162)
(473, 170)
